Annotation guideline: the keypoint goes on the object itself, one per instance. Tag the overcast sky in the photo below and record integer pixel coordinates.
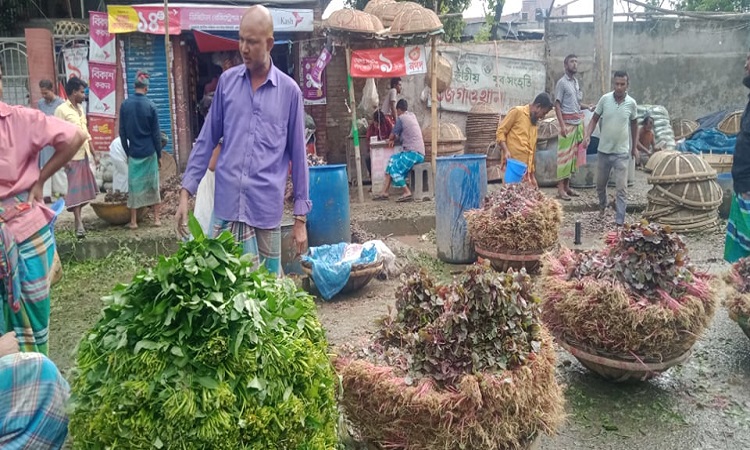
(575, 7)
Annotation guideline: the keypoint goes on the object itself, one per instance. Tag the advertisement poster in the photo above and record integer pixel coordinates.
(102, 131)
(102, 89)
(389, 62)
(102, 43)
(312, 92)
(76, 63)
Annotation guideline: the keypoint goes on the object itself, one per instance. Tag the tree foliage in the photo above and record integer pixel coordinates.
(453, 26)
(712, 5)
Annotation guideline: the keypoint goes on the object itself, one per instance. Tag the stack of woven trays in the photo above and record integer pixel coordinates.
(685, 195)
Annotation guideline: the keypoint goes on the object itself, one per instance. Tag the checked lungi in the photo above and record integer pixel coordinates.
(263, 245)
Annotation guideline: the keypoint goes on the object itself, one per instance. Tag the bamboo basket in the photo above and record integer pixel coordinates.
(656, 158)
(444, 74)
(114, 213)
(731, 124)
(622, 368)
(386, 12)
(719, 162)
(414, 21)
(683, 128)
(680, 168)
(451, 140)
(372, 5)
(501, 262)
(353, 20)
(360, 276)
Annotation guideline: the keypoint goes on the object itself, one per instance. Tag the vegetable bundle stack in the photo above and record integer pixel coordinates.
(202, 353)
(465, 365)
(638, 299)
(515, 219)
(738, 293)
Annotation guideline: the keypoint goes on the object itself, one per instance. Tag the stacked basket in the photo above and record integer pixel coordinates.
(685, 195)
(450, 140)
(481, 128)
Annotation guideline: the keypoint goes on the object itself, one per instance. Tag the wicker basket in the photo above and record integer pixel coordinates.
(731, 123)
(621, 369)
(444, 74)
(720, 163)
(360, 276)
(680, 168)
(114, 213)
(386, 12)
(69, 28)
(370, 8)
(501, 262)
(697, 195)
(656, 158)
(414, 21)
(683, 128)
(353, 20)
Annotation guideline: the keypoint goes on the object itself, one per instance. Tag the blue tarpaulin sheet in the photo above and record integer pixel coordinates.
(332, 265)
(709, 140)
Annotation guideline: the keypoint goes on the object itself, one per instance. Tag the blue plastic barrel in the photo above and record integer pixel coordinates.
(514, 171)
(461, 185)
(328, 222)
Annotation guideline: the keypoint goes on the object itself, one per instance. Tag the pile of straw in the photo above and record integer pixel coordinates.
(395, 400)
(594, 301)
(738, 289)
(515, 219)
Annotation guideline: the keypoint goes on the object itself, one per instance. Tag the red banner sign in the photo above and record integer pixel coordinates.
(388, 62)
(102, 131)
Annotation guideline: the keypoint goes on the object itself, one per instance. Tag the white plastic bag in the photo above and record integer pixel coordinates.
(204, 201)
(389, 259)
(370, 100)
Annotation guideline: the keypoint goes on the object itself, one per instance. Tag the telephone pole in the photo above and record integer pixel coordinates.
(603, 31)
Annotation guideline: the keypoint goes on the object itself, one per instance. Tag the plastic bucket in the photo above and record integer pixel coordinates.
(461, 185)
(514, 171)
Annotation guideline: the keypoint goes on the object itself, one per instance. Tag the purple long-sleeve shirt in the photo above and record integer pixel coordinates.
(262, 131)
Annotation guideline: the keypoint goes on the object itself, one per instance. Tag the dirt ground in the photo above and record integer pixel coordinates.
(702, 404)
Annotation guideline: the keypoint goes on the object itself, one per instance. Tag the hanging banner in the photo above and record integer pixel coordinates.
(102, 131)
(144, 19)
(388, 62)
(316, 72)
(150, 19)
(312, 93)
(102, 89)
(76, 63)
(501, 82)
(101, 44)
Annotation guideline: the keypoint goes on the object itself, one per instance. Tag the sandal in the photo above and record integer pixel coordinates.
(573, 193)
(563, 197)
(380, 198)
(405, 198)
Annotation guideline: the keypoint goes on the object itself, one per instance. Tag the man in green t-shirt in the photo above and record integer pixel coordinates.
(616, 114)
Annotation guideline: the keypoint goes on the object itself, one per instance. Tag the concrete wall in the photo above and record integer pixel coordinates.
(690, 67)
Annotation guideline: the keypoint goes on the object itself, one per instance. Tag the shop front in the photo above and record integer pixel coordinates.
(203, 43)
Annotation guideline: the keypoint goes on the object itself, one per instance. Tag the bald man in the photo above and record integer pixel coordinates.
(257, 110)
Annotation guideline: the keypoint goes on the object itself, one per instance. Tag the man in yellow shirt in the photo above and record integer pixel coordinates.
(82, 187)
(517, 133)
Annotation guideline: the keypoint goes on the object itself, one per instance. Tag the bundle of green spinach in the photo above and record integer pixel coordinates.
(202, 352)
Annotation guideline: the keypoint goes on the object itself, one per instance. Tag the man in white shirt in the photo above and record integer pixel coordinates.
(389, 102)
(120, 166)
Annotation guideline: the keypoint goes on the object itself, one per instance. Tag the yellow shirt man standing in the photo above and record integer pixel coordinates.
(517, 133)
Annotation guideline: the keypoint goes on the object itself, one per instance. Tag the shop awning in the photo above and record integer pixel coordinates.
(221, 42)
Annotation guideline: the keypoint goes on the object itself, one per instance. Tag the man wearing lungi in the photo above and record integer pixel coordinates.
(82, 186)
(408, 132)
(257, 110)
(517, 133)
(142, 141)
(738, 229)
(568, 96)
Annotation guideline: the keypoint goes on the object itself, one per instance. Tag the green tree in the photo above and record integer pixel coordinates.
(453, 26)
(712, 5)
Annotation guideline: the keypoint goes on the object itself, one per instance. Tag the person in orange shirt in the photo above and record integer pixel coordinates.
(517, 133)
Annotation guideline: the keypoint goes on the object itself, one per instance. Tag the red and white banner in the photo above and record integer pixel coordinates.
(101, 44)
(76, 63)
(102, 89)
(102, 131)
(150, 19)
(388, 62)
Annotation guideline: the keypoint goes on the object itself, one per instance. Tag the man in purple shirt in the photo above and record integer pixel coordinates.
(258, 112)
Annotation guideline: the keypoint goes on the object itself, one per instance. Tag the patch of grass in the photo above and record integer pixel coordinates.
(622, 409)
(76, 299)
(434, 266)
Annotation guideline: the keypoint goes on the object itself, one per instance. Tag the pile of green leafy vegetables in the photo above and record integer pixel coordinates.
(202, 352)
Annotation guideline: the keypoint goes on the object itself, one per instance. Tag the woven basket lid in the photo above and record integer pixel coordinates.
(447, 132)
(687, 217)
(444, 74)
(353, 20)
(373, 3)
(731, 123)
(699, 195)
(683, 128)
(69, 28)
(386, 12)
(695, 227)
(415, 20)
(483, 108)
(656, 158)
(681, 167)
(654, 211)
(548, 128)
